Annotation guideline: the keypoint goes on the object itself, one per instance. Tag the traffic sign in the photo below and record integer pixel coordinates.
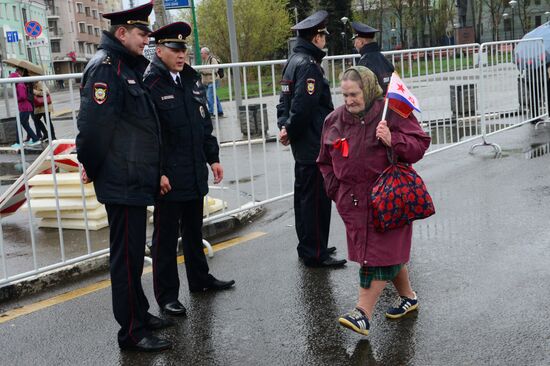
(33, 43)
(176, 4)
(12, 36)
(33, 28)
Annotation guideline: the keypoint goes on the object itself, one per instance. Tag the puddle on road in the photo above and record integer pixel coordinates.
(537, 150)
(245, 179)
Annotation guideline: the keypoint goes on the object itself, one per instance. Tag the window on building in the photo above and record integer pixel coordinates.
(82, 27)
(87, 10)
(79, 8)
(96, 31)
(72, 27)
(15, 12)
(90, 30)
(81, 47)
(70, 7)
(94, 13)
(1, 11)
(56, 46)
(393, 22)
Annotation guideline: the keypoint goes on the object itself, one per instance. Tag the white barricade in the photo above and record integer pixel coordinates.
(460, 99)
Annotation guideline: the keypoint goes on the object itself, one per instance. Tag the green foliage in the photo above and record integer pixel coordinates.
(262, 27)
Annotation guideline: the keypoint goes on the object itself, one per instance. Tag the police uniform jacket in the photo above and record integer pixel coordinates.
(186, 127)
(119, 134)
(377, 63)
(305, 101)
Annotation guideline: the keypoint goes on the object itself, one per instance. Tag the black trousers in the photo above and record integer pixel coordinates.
(41, 126)
(127, 235)
(312, 210)
(171, 220)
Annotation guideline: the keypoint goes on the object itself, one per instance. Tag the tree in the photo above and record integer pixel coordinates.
(303, 7)
(495, 14)
(262, 27)
(337, 43)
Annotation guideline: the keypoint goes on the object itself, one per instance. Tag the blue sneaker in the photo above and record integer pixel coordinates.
(16, 146)
(403, 306)
(355, 320)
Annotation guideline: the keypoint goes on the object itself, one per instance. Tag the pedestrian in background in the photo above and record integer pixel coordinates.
(304, 103)
(365, 43)
(354, 152)
(188, 146)
(24, 104)
(39, 114)
(211, 82)
(118, 144)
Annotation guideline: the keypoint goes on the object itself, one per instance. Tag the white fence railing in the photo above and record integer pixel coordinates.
(465, 92)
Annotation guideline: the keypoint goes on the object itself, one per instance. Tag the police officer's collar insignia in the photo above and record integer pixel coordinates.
(100, 92)
(203, 112)
(131, 81)
(310, 86)
(107, 60)
(167, 97)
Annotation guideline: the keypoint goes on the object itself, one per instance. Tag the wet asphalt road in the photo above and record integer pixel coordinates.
(480, 267)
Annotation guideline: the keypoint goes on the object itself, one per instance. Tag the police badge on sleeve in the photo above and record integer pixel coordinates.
(100, 93)
(310, 86)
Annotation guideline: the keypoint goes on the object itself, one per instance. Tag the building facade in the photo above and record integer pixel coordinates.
(75, 31)
(13, 41)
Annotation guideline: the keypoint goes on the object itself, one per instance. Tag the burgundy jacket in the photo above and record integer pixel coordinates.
(349, 180)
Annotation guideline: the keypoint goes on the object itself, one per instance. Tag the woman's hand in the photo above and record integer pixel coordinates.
(383, 133)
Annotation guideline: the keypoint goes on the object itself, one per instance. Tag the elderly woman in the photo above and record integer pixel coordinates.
(354, 151)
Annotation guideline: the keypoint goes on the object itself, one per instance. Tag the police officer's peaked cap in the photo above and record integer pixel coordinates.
(363, 30)
(172, 35)
(138, 17)
(315, 23)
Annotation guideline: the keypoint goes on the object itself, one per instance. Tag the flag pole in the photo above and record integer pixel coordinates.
(385, 108)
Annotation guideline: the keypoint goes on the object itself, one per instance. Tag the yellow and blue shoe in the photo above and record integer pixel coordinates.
(355, 320)
(403, 306)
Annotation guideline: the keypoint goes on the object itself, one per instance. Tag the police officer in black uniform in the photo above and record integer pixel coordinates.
(188, 145)
(304, 103)
(119, 146)
(371, 57)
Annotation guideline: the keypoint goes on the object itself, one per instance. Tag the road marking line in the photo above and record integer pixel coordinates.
(31, 308)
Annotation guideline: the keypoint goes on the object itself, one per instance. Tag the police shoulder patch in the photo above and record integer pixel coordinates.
(310, 86)
(100, 92)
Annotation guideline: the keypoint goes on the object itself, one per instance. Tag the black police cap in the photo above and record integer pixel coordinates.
(315, 23)
(138, 17)
(363, 30)
(172, 35)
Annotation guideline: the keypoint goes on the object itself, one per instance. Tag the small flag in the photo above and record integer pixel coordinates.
(401, 100)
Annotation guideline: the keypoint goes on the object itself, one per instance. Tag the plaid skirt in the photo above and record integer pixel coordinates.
(386, 273)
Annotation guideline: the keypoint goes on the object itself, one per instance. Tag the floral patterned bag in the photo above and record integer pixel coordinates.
(399, 197)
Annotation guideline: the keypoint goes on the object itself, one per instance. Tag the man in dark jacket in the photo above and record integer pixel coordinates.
(188, 145)
(119, 146)
(371, 57)
(304, 103)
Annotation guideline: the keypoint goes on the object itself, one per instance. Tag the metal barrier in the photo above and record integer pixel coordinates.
(513, 86)
(450, 82)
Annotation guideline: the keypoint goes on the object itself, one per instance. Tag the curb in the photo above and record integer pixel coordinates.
(56, 277)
